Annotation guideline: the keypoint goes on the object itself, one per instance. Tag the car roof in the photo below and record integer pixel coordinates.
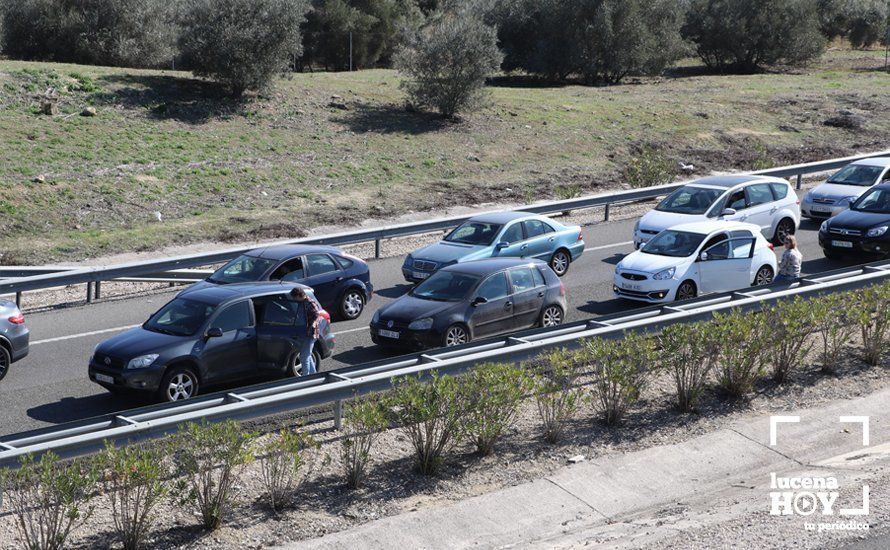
(219, 294)
(732, 180)
(875, 161)
(490, 265)
(502, 217)
(285, 251)
(708, 227)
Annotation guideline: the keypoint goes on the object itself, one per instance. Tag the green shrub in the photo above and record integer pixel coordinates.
(648, 167)
(446, 63)
(134, 478)
(689, 353)
(832, 322)
(492, 392)
(553, 383)
(282, 464)
(743, 348)
(363, 420)
(242, 44)
(429, 414)
(620, 371)
(48, 499)
(747, 34)
(790, 323)
(211, 457)
(870, 311)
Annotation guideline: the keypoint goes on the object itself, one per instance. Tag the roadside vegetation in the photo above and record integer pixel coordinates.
(438, 417)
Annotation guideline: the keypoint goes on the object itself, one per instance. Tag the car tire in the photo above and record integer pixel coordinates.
(764, 276)
(352, 304)
(5, 361)
(560, 262)
(686, 291)
(784, 228)
(456, 335)
(551, 316)
(295, 369)
(178, 384)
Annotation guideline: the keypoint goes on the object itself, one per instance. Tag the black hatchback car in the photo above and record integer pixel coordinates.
(472, 300)
(342, 283)
(861, 231)
(210, 336)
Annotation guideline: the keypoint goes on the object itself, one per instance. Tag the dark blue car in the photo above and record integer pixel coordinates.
(342, 283)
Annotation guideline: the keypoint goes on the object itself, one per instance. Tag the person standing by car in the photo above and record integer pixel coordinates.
(789, 265)
(307, 314)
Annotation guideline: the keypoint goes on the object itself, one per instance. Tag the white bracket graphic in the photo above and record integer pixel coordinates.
(859, 420)
(774, 421)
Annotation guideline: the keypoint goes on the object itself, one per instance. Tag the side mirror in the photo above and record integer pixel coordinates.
(478, 301)
(728, 212)
(703, 257)
(849, 201)
(502, 245)
(214, 332)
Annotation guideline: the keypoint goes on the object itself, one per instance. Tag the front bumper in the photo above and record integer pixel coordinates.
(415, 275)
(412, 340)
(815, 211)
(649, 291)
(148, 379)
(877, 247)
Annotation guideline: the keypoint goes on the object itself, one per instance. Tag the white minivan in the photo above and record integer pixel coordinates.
(844, 187)
(767, 202)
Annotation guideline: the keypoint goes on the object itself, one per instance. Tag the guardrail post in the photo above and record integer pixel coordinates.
(338, 414)
(18, 300)
(377, 248)
(799, 178)
(606, 218)
(98, 293)
(90, 292)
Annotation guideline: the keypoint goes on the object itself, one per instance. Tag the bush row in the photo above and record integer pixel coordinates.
(49, 498)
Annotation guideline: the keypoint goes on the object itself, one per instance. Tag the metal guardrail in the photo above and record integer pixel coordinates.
(332, 387)
(91, 275)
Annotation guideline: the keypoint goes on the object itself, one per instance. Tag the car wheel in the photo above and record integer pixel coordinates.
(178, 384)
(294, 368)
(560, 261)
(352, 304)
(764, 276)
(686, 291)
(551, 316)
(783, 229)
(456, 335)
(5, 361)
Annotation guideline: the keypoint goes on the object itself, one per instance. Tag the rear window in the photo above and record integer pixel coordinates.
(345, 263)
(780, 190)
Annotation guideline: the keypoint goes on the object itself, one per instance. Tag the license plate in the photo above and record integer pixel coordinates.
(104, 378)
(389, 334)
(842, 244)
(817, 208)
(420, 275)
(626, 286)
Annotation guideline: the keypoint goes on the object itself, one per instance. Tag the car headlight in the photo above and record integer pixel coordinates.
(376, 317)
(824, 227)
(409, 259)
(142, 361)
(877, 231)
(807, 196)
(421, 324)
(617, 270)
(637, 226)
(665, 274)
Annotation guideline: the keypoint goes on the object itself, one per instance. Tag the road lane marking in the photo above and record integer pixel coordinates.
(83, 334)
(605, 246)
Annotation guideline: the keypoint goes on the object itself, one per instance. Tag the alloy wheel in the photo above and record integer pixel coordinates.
(4, 362)
(456, 336)
(686, 291)
(560, 263)
(551, 317)
(181, 387)
(353, 304)
(764, 276)
(785, 228)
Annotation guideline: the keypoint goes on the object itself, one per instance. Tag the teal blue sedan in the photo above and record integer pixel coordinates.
(498, 235)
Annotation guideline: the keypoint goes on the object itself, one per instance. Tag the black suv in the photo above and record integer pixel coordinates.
(862, 230)
(210, 336)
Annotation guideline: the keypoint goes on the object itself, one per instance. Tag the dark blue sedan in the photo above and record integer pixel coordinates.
(342, 283)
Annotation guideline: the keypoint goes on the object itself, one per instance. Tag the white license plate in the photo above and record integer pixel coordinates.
(817, 208)
(104, 378)
(842, 244)
(626, 286)
(420, 275)
(389, 334)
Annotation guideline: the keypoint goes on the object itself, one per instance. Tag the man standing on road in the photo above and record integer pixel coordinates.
(307, 314)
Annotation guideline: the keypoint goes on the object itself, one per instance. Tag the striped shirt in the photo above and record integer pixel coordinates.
(789, 266)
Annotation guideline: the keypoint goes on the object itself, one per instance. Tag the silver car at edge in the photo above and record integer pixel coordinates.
(14, 336)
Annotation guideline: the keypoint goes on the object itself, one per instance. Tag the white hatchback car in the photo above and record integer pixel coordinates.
(844, 187)
(769, 203)
(691, 259)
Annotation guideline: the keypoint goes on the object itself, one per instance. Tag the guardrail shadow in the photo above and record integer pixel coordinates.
(70, 409)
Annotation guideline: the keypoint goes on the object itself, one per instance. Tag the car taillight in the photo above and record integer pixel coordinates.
(770, 245)
(580, 236)
(562, 288)
(17, 319)
(325, 315)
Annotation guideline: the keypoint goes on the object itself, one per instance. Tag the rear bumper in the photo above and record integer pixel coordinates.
(20, 344)
(577, 249)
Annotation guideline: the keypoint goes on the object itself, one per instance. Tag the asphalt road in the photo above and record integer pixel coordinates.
(51, 386)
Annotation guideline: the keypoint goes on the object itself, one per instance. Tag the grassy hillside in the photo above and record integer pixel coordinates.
(161, 142)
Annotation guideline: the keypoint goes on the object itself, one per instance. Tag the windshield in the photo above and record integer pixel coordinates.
(857, 174)
(674, 243)
(240, 270)
(689, 200)
(475, 233)
(445, 286)
(876, 201)
(180, 317)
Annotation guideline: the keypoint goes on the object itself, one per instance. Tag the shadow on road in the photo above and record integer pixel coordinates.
(393, 291)
(363, 354)
(69, 409)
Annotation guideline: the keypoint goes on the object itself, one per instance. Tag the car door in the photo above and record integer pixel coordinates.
(325, 277)
(495, 315)
(727, 267)
(511, 242)
(276, 331)
(292, 270)
(528, 297)
(540, 239)
(233, 355)
(760, 206)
